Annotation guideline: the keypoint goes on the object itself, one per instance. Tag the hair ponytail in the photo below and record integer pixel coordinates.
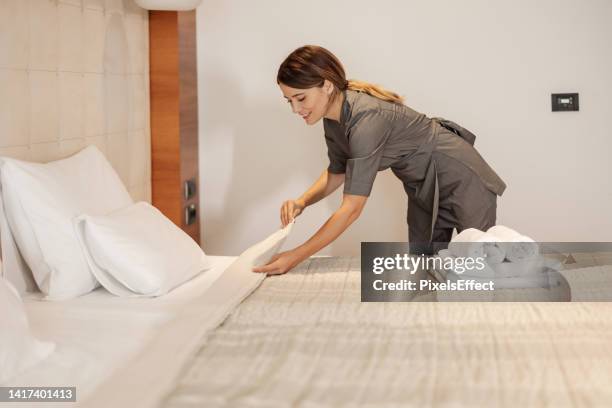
(374, 90)
(311, 65)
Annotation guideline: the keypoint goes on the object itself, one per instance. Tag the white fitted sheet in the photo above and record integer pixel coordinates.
(99, 333)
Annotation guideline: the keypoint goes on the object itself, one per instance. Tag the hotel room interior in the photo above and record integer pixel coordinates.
(145, 151)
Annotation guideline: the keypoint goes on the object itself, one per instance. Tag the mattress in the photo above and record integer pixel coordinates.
(305, 339)
(98, 334)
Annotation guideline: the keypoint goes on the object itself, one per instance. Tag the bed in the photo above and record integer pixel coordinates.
(305, 339)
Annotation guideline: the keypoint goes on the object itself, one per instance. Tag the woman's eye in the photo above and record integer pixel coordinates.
(299, 100)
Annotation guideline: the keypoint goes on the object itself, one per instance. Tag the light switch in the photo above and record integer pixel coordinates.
(191, 214)
(565, 102)
(189, 189)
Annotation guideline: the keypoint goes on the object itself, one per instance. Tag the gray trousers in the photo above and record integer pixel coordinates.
(449, 218)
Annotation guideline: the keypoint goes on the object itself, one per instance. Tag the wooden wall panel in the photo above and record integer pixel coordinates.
(188, 102)
(174, 114)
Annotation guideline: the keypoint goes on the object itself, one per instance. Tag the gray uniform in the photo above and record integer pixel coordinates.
(449, 185)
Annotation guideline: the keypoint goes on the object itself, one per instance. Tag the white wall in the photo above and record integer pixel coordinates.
(490, 66)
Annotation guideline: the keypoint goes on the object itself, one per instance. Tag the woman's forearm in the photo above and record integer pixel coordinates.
(339, 221)
(326, 184)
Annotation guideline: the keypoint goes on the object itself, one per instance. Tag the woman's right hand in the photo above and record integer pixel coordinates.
(291, 209)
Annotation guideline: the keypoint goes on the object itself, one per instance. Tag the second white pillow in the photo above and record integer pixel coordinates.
(137, 251)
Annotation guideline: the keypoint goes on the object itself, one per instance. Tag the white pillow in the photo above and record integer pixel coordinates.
(41, 201)
(137, 251)
(19, 350)
(15, 270)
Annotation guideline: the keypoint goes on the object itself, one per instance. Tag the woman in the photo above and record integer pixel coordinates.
(369, 129)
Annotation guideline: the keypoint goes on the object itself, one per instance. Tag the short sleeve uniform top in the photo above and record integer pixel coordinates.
(374, 135)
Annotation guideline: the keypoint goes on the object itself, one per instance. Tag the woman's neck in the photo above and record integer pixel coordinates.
(335, 108)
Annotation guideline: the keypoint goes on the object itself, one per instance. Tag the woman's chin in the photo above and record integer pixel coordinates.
(309, 121)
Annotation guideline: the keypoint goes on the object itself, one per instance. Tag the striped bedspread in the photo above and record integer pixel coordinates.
(305, 339)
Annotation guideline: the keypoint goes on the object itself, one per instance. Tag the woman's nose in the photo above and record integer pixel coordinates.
(294, 107)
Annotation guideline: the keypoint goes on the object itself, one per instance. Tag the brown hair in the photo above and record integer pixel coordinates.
(311, 65)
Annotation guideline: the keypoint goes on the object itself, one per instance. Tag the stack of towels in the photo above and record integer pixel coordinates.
(511, 260)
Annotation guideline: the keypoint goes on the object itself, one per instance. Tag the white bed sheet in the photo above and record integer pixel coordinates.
(99, 333)
(153, 372)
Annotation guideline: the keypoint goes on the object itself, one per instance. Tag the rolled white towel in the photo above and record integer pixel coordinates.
(474, 243)
(495, 253)
(517, 247)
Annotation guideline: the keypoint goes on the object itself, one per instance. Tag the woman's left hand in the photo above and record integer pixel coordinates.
(280, 263)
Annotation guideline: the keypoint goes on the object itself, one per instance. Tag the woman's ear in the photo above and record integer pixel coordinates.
(328, 87)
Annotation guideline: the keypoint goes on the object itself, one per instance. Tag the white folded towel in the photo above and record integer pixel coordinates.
(516, 246)
(494, 252)
(474, 243)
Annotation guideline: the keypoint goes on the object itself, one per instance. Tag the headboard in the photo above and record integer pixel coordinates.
(73, 75)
